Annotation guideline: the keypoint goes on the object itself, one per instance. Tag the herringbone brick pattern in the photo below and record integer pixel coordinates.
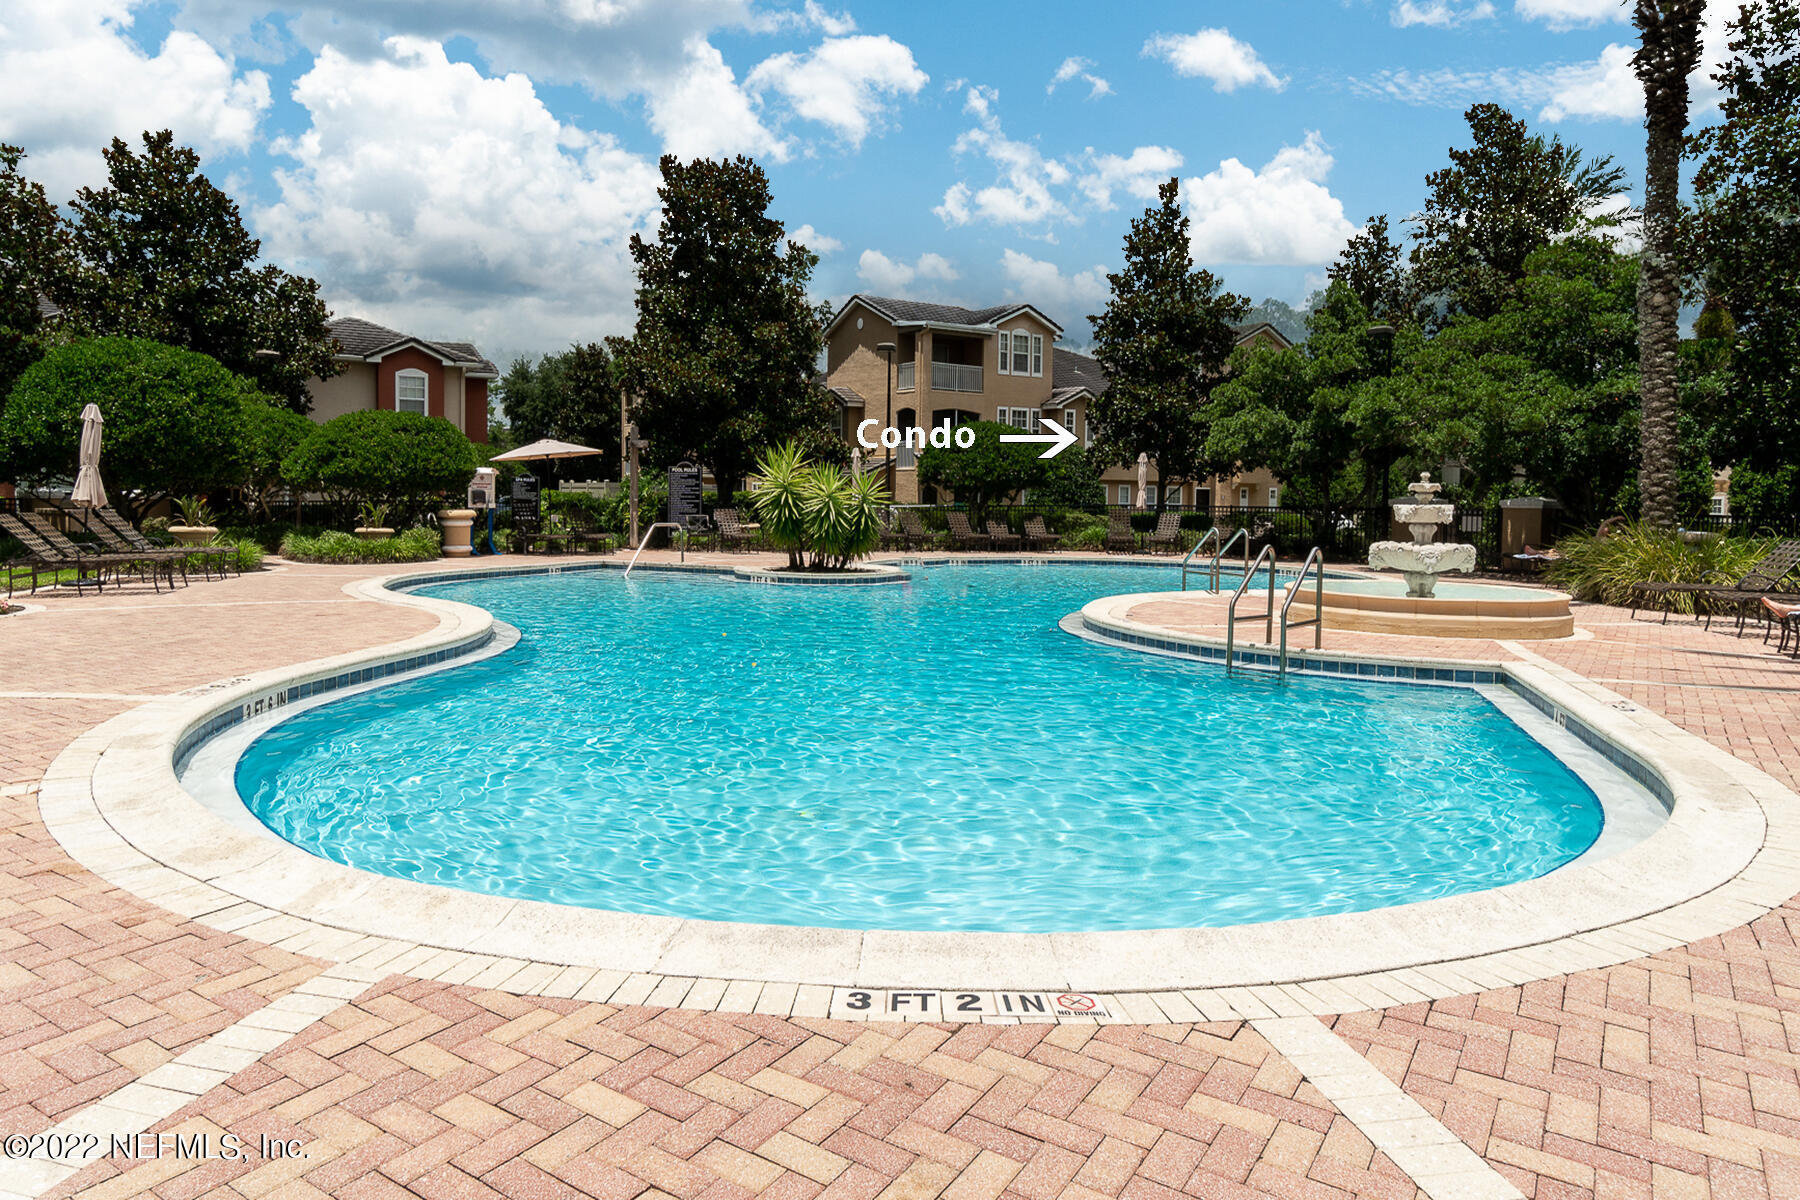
(1671, 1076)
(445, 1091)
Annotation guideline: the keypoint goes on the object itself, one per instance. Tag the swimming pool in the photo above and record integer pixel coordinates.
(937, 756)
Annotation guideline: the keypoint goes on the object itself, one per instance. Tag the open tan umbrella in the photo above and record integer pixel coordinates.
(89, 491)
(546, 449)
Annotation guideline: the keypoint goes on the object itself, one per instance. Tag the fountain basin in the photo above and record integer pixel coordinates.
(1470, 610)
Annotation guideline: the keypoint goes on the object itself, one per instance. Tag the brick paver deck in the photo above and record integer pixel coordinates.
(1672, 1076)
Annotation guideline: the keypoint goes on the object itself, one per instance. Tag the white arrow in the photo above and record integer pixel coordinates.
(1062, 437)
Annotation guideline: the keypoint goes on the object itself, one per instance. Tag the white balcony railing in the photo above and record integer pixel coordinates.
(905, 377)
(955, 377)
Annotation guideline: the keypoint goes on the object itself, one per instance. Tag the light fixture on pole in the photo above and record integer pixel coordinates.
(887, 350)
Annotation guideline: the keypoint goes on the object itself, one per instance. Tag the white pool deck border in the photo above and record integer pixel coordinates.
(1729, 852)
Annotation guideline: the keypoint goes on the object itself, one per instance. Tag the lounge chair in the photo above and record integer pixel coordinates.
(1717, 592)
(1167, 533)
(1785, 617)
(1001, 536)
(1037, 535)
(1119, 533)
(118, 536)
(963, 536)
(913, 533)
(59, 554)
(148, 564)
(732, 534)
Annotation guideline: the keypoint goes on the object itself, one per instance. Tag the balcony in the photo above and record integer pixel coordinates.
(955, 377)
(905, 377)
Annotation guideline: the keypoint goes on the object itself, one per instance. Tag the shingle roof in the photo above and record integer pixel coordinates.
(848, 397)
(906, 311)
(362, 338)
(1070, 371)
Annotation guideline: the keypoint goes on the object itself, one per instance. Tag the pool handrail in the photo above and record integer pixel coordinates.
(1315, 561)
(1231, 617)
(640, 549)
(1241, 532)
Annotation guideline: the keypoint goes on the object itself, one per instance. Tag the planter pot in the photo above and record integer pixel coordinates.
(456, 523)
(374, 533)
(194, 535)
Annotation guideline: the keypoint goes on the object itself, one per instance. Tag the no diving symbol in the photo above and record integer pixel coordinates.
(1075, 1002)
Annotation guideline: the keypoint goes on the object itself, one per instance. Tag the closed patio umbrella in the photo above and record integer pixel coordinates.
(89, 491)
(1143, 491)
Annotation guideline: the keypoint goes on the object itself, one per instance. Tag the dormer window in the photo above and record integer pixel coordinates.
(411, 391)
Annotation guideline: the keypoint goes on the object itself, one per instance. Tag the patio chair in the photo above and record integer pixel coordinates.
(963, 535)
(58, 555)
(732, 534)
(147, 564)
(1037, 535)
(1001, 536)
(1119, 533)
(210, 558)
(1719, 592)
(106, 525)
(1784, 616)
(913, 534)
(1167, 533)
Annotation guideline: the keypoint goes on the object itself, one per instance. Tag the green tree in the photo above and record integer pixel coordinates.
(1747, 190)
(1668, 49)
(1507, 195)
(724, 360)
(572, 396)
(269, 432)
(173, 418)
(992, 472)
(163, 254)
(400, 459)
(1369, 265)
(1164, 340)
(33, 261)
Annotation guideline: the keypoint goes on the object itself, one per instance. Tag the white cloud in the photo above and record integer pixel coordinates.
(1605, 89)
(1044, 284)
(1021, 193)
(1569, 14)
(702, 113)
(1213, 54)
(1138, 175)
(815, 241)
(885, 274)
(1282, 215)
(1075, 67)
(843, 82)
(1440, 14)
(72, 78)
(431, 196)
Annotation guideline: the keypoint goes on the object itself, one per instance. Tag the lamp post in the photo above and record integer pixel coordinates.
(887, 350)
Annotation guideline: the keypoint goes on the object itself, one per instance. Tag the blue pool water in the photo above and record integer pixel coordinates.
(933, 756)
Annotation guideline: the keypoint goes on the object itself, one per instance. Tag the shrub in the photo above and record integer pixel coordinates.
(267, 435)
(417, 544)
(1603, 569)
(246, 554)
(173, 417)
(822, 510)
(401, 459)
(1085, 537)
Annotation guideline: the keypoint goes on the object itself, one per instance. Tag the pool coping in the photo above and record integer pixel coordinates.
(1729, 852)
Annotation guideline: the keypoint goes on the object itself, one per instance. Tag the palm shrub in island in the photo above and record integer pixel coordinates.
(823, 516)
(1604, 569)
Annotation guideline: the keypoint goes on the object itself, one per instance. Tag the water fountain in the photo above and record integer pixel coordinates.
(1422, 560)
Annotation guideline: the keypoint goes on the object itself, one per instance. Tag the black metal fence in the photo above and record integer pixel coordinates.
(1343, 533)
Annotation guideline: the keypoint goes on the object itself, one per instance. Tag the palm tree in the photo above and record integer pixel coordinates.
(1667, 54)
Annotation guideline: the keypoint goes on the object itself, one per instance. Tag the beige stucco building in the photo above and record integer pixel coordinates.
(990, 364)
(382, 368)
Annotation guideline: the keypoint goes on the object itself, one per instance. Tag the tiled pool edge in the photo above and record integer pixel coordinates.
(112, 800)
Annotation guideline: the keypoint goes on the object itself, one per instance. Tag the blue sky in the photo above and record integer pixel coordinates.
(468, 169)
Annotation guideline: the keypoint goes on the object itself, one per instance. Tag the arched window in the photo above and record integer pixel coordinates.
(412, 391)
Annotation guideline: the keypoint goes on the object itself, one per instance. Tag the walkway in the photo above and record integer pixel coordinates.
(1671, 1076)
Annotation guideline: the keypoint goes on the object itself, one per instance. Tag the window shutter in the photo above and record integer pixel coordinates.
(1037, 354)
(1005, 351)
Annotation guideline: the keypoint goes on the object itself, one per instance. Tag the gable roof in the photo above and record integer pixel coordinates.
(1252, 329)
(921, 312)
(365, 341)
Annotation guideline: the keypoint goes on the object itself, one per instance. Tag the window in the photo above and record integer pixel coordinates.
(1006, 354)
(1720, 505)
(1018, 418)
(1037, 354)
(1027, 354)
(410, 391)
(1125, 494)
(1175, 497)
(1243, 497)
(1274, 497)
(1150, 495)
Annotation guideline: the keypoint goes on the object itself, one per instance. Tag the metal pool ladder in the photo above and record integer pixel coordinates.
(1315, 562)
(1231, 613)
(1212, 535)
(646, 542)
